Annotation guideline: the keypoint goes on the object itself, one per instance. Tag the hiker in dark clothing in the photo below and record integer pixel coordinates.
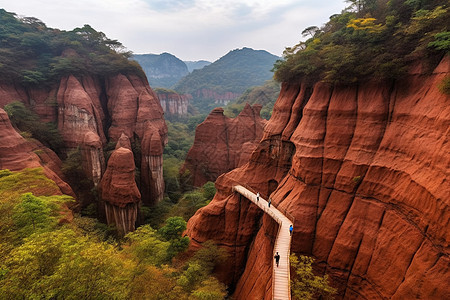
(270, 201)
(257, 196)
(277, 258)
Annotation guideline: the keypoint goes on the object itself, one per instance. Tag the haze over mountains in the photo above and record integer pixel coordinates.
(209, 84)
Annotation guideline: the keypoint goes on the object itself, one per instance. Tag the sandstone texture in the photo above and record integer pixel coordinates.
(222, 144)
(17, 153)
(173, 104)
(365, 172)
(92, 112)
(120, 192)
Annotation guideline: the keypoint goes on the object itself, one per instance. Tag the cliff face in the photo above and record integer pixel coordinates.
(222, 144)
(119, 190)
(173, 104)
(17, 153)
(91, 111)
(364, 171)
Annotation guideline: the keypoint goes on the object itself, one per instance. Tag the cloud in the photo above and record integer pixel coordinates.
(189, 29)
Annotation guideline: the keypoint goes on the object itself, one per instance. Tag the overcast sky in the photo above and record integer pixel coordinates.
(189, 29)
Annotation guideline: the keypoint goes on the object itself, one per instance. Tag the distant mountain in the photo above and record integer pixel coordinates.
(227, 78)
(162, 70)
(195, 65)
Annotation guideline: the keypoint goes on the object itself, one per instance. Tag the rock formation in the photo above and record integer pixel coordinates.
(120, 192)
(17, 153)
(222, 144)
(91, 111)
(364, 171)
(173, 104)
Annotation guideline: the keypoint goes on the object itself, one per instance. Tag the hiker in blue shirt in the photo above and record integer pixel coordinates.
(291, 228)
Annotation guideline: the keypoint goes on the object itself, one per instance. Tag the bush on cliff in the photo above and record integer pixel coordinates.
(369, 39)
(304, 284)
(28, 121)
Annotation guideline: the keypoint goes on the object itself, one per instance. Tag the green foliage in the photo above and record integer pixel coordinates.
(235, 72)
(28, 121)
(73, 261)
(441, 41)
(171, 232)
(191, 201)
(146, 246)
(266, 95)
(444, 85)
(197, 279)
(369, 39)
(209, 256)
(32, 53)
(33, 214)
(304, 284)
(173, 229)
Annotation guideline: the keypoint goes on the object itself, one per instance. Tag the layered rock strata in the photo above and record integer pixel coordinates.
(364, 171)
(120, 192)
(222, 144)
(90, 112)
(173, 104)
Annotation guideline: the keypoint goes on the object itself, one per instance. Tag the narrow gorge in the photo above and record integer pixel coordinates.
(364, 171)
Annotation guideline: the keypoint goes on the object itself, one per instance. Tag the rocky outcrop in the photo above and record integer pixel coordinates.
(218, 98)
(364, 171)
(222, 144)
(90, 112)
(120, 192)
(17, 153)
(173, 104)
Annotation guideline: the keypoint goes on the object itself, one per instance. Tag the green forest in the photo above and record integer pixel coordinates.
(33, 54)
(371, 38)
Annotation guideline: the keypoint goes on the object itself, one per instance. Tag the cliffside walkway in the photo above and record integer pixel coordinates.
(280, 277)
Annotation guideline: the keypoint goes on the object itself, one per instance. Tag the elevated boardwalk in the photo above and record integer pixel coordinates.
(280, 276)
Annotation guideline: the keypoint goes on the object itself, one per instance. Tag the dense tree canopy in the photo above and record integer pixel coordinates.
(370, 38)
(33, 54)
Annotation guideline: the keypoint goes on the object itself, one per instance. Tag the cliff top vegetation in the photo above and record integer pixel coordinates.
(370, 38)
(34, 54)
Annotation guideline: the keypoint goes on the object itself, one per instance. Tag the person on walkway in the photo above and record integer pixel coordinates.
(277, 258)
(270, 201)
(291, 228)
(257, 196)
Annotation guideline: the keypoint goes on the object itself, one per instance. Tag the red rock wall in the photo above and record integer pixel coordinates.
(367, 183)
(90, 111)
(120, 192)
(17, 153)
(173, 104)
(222, 144)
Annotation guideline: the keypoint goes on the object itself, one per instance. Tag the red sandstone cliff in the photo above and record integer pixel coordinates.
(119, 190)
(365, 172)
(90, 112)
(173, 104)
(17, 153)
(222, 144)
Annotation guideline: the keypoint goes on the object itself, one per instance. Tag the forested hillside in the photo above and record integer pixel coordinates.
(34, 54)
(162, 70)
(227, 78)
(371, 38)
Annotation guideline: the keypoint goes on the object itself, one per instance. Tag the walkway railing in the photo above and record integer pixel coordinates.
(280, 274)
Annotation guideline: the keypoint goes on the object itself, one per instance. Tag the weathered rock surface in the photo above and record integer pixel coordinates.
(173, 104)
(91, 112)
(364, 171)
(222, 144)
(16, 153)
(120, 192)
